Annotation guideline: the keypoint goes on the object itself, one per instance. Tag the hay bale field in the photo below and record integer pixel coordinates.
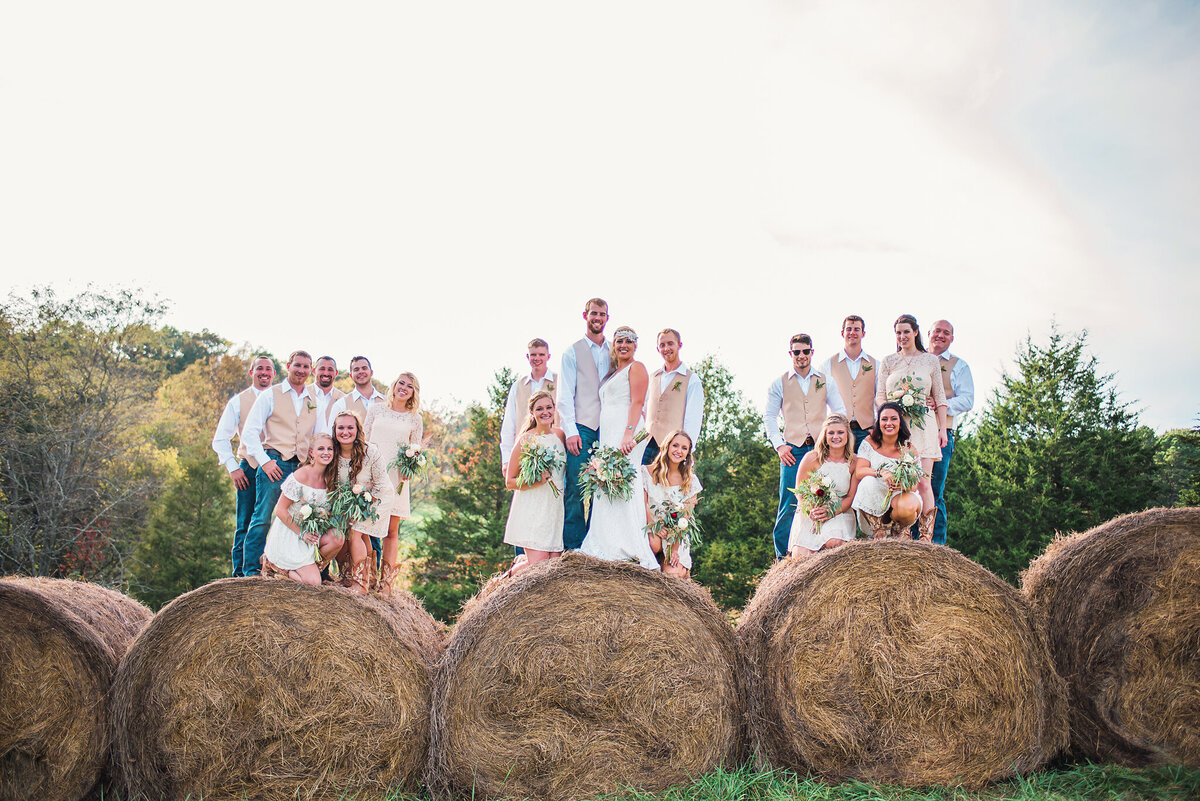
(1120, 605)
(581, 676)
(260, 689)
(898, 662)
(59, 647)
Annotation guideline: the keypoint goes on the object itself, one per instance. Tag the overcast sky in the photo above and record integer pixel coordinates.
(433, 184)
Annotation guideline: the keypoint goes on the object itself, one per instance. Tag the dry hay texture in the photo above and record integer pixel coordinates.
(258, 689)
(59, 648)
(898, 662)
(1120, 605)
(578, 677)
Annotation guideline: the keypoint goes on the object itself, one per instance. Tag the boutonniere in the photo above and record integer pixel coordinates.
(678, 385)
(867, 367)
(548, 386)
(943, 368)
(818, 380)
(308, 404)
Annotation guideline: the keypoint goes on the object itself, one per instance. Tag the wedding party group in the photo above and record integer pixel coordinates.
(600, 456)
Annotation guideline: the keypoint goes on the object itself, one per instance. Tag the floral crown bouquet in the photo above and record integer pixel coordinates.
(673, 522)
(312, 518)
(411, 461)
(911, 394)
(350, 504)
(816, 492)
(537, 460)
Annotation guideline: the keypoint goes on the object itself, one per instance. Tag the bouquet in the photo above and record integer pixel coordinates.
(817, 492)
(410, 462)
(911, 396)
(539, 459)
(607, 471)
(312, 518)
(906, 472)
(350, 504)
(674, 523)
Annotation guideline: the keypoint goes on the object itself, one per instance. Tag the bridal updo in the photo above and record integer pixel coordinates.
(624, 332)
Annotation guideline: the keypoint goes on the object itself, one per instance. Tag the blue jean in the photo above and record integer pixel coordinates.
(245, 511)
(575, 523)
(938, 481)
(859, 435)
(787, 500)
(266, 495)
(652, 450)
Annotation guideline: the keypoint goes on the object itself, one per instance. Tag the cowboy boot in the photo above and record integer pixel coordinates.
(879, 529)
(387, 579)
(925, 525)
(358, 579)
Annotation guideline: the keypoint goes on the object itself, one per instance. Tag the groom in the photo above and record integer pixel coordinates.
(584, 366)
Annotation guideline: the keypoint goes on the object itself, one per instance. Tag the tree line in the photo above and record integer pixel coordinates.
(106, 473)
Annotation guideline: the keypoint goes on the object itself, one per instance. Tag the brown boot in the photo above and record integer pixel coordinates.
(879, 529)
(358, 578)
(387, 580)
(269, 571)
(925, 525)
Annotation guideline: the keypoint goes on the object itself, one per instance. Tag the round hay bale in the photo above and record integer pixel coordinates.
(898, 662)
(54, 714)
(580, 676)
(117, 618)
(1120, 605)
(252, 688)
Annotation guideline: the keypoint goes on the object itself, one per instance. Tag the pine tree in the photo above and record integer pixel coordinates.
(1055, 450)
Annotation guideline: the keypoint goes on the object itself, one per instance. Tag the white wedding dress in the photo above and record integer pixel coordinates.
(618, 528)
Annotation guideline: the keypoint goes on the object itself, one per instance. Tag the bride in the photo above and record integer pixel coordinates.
(617, 529)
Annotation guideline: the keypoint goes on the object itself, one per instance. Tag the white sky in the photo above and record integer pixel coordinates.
(433, 184)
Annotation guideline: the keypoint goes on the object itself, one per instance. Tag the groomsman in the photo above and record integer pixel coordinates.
(676, 400)
(277, 432)
(854, 373)
(805, 396)
(324, 372)
(241, 467)
(584, 366)
(516, 408)
(361, 398)
(960, 397)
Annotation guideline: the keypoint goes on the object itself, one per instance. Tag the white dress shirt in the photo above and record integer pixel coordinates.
(852, 364)
(261, 410)
(341, 403)
(567, 375)
(693, 402)
(513, 416)
(833, 400)
(963, 385)
(227, 429)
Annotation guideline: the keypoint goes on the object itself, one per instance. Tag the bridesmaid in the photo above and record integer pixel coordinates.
(887, 441)
(672, 475)
(362, 463)
(287, 551)
(832, 456)
(535, 519)
(911, 360)
(390, 426)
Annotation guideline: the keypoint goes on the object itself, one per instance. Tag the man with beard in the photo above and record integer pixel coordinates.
(584, 366)
(325, 371)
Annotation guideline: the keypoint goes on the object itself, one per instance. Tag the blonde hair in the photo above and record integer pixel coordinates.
(661, 466)
(530, 423)
(624, 332)
(413, 404)
(822, 448)
(312, 443)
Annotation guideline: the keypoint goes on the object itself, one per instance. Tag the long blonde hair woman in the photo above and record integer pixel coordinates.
(833, 457)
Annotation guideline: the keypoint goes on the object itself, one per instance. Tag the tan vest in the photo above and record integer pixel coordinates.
(947, 369)
(246, 400)
(857, 394)
(803, 414)
(284, 431)
(587, 386)
(525, 392)
(664, 410)
(354, 404)
(334, 394)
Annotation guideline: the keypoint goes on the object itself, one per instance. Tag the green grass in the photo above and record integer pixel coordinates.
(1078, 783)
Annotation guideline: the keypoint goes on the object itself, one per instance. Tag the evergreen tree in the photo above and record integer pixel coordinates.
(1055, 450)
(460, 548)
(1179, 462)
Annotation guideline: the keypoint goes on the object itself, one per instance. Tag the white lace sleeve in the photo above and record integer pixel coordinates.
(291, 488)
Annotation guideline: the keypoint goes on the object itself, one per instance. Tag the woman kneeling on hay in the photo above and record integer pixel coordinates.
(882, 503)
(834, 471)
(536, 471)
(671, 487)
(297, 529)
(362, 467)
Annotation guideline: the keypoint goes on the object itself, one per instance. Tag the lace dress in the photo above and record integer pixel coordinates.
(374, 477)
(389, 430)
(617, 531)
(926, 369)
(871, 495)
(841, 526)
(656, 493)
(535, 519)
(285, 549)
